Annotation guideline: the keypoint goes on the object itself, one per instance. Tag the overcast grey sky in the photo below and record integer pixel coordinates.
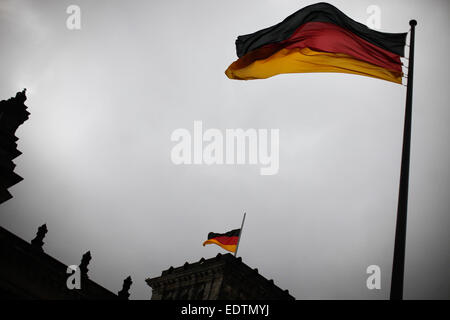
(105, 99)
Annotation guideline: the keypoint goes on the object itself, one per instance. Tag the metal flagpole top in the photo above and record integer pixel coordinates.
(240, 233)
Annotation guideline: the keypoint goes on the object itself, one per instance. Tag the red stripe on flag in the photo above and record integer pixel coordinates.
(328, 37)
(227, 240)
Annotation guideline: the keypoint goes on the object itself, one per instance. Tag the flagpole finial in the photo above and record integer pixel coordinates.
(413, 23)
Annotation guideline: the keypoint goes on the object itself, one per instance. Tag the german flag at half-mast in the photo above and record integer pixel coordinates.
(319, 38)
(227, 241)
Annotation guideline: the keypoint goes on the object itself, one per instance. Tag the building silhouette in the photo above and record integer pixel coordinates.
(27, 272)
(13, 112)
(223, 277)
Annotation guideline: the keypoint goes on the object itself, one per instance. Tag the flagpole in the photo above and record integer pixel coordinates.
(398, 264)
(240, 232)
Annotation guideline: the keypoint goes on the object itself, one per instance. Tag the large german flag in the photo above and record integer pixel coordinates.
(228, 240)
(318, 38)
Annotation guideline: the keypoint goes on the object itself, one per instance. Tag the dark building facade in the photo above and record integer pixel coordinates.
(13, 112)
(223, 277)
(27, 272)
